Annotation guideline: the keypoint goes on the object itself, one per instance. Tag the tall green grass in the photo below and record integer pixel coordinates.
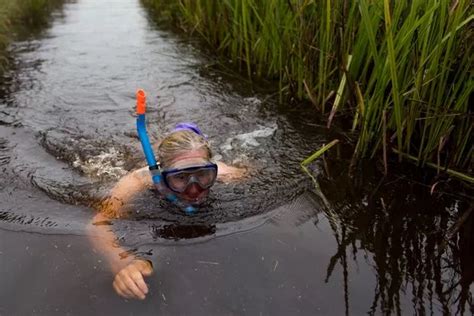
(402, 69)
(21, 13)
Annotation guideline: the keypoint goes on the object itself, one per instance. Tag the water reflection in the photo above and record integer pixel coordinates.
(177, 231)
(465, 242)
(400, 230)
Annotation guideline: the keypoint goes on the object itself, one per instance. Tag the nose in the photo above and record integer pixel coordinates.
(193, 189)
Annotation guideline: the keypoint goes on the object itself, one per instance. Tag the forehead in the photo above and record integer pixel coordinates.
(190, 158)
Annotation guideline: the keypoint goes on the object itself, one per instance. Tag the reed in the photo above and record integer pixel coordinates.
(21, 13)
(408, 60)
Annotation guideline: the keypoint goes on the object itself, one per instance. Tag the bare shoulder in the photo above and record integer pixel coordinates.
(123, 191)
(142, 174)
(228, 173)
(226, 169)
(139, 177)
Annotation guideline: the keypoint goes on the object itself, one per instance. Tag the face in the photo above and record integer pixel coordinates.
(193, 193)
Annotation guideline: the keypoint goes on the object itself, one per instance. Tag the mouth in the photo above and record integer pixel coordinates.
(196, 199)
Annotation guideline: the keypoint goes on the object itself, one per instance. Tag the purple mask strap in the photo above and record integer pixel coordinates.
(188, 126)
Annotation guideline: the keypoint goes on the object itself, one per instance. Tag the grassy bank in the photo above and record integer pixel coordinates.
(400, 70)
(21, 13)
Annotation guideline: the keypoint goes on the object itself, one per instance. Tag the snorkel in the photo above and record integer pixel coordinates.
(150, 156)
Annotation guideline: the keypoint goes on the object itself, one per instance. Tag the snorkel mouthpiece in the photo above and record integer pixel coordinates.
(141, 101)
(150, 156)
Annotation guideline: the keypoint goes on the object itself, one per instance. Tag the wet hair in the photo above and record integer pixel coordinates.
(179, 142)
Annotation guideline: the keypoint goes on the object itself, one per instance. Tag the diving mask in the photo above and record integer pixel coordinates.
(179, 179)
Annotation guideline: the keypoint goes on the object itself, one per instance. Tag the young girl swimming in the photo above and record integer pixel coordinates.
(186, 167)
(184, 174)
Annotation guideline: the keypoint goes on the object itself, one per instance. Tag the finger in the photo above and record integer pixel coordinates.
(121, 290)
(140, 282)
(146, 268)
(132, 287)
(125, 292)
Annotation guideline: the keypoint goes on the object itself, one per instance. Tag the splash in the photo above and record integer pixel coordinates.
(105, 165)
(248, 140)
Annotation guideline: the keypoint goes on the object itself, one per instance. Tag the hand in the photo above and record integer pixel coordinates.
(129, 282)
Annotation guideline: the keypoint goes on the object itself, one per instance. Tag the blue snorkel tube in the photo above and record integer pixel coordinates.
(150, 156)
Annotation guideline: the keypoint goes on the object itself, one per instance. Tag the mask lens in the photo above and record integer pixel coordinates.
(178, 181)
(205, 177)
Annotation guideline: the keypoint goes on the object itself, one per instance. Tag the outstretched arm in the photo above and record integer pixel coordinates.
(129, 272)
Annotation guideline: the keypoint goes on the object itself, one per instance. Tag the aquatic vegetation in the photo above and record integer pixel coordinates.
(400, 70)
(21, 13)
(35, 12)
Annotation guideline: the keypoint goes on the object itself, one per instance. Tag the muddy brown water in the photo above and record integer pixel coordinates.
(266, 245)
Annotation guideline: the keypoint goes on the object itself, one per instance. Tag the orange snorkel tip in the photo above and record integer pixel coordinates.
(141, 101)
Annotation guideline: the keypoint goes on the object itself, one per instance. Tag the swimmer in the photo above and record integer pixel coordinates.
(184, 174)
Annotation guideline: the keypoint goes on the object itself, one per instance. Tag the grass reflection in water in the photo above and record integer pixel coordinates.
(399, 228)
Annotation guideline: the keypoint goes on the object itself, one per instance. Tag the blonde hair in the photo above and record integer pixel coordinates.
(180, 142)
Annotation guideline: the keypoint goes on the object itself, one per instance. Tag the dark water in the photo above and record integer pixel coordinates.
(67, 133)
